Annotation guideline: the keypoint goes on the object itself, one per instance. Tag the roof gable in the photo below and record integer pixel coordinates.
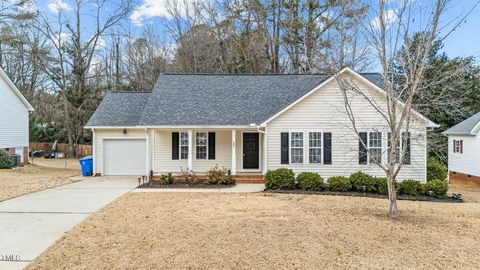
(469, 126)
(15, 90)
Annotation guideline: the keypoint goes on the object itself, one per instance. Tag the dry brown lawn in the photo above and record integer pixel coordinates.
(32, 178)
(269, 231)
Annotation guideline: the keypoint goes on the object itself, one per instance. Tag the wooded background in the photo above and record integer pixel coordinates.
(65, 71)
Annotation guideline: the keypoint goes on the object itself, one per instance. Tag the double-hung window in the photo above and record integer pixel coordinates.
(458, 146)
(315, 147)
(201, 145)
(183, 145)
(375, 147)
(403, 142)
(296, 147)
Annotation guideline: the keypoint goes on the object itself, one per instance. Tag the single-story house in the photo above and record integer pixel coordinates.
(464, 151)
(249, 124)
(14, 112)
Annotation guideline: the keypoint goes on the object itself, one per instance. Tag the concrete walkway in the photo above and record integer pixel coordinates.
(238, 188)
(29, 224)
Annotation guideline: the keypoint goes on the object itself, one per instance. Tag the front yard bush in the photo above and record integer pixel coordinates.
(436, 170)
(280, 179)
(359, 180)
(411, 187)
(310, 181)
(219, 176)
(339, 183)
(437, 188)
(167, 179)
(381, 185)
(6, 161)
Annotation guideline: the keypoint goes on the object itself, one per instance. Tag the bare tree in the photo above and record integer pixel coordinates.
(72, 56)
(394, 27)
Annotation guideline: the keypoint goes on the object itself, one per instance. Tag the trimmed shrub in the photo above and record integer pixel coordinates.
(280, 179)
(411, 187)
(436, 170)
(339, 183)
(360, 180)
(438, 188)
(381, 185)
(6, 161)
(219, 176)
(310, 181)
(167, 179)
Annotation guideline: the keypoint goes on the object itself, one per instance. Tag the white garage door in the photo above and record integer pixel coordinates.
(124, 157)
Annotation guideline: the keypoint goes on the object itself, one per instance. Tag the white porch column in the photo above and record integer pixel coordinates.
(190, 150)
(234, 156)
(94, 135)
(265, 152)
(148, 167)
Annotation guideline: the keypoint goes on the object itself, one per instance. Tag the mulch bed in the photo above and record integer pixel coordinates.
(369, 195)
(159, 184)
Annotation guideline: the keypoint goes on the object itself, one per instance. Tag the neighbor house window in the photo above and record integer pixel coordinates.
(458, 146)
(201, 145)
(296, 147)
(183, 145)
(375, 147)
(315, 147)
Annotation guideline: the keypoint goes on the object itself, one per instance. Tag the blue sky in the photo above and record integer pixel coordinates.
(465, 41)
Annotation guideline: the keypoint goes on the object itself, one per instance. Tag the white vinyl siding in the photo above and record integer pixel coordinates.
(467, 162)
(315, 113)
(13, 118)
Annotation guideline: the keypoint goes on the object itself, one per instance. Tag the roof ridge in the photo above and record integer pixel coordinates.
(246, 74)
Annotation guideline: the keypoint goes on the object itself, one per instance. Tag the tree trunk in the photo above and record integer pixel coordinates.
(392, 198)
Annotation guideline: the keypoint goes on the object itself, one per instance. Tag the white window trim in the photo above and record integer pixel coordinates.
(401, 147)
(321, 146)
(180, 145)
(370, 147)
(457, 148)
(206, 146)
(290, 147)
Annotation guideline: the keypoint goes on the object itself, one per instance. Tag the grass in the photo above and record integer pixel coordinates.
(269, 231)
(32, 178)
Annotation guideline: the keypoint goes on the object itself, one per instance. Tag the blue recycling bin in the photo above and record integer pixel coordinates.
(87, 166)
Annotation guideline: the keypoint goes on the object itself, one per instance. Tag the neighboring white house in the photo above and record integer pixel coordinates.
(14, 111)
(464, 151)
(249, 124)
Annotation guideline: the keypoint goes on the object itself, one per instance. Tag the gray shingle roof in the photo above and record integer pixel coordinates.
(119, 109)
(466, 127)
(208, 99)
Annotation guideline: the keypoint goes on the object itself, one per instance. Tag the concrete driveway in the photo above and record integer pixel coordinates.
(31, 223)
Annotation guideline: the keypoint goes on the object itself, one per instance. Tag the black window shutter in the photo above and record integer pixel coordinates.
(175, 145)
(327, 148)
(211, 145)
(362, 151)
(407, 152)
(284, 148)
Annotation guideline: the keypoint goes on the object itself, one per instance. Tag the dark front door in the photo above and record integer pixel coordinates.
(250, 150)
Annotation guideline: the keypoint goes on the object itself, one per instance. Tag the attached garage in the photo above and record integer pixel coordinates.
(124, 156)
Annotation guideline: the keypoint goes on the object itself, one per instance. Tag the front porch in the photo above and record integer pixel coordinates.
(241, 151)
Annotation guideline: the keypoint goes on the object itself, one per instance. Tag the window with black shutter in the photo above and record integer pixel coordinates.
(284, 148)
(211, 145)
(175, 145)
(327, 148)
(362, 150)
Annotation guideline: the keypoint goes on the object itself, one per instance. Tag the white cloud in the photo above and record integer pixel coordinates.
(159, 8)
(56, 6)
(389, 17)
